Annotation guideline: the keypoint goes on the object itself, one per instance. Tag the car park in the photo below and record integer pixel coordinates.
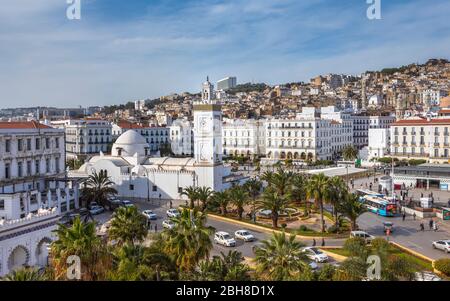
(361, 234)
(244, 235)
(225, 239)
(149, 214)
(96, 210)
(315, 254)
(173, 213)
(443, 245)
(168, 224)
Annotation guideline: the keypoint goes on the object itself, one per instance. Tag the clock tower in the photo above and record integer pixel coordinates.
(208, 139)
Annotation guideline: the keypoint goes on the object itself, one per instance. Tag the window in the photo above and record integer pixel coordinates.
(47, 165)
(57, 165)
(19, 145)
(47, 143)
(57, 142)
(37, 167)
(155, 188)
(38, 143)
(2, 204)
(28, 168)
(7, 171)
(28, 144)
(7, 146)
(20, 169)
(131, 187)
(180, 190)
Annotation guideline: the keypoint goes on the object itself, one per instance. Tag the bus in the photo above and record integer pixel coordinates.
(379, 205)
(366, 192)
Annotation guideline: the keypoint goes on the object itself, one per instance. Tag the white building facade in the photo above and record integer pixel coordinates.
(244, 137)
(379, 143)
(181, 137)
(33, 192)
(85, 137)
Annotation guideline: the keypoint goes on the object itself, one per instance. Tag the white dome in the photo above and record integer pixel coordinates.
(130, 143)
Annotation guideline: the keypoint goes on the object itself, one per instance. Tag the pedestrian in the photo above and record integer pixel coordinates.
(421, 194)
(170, 203)
(314, 242)
(430, 224)
(414, 216)
(323, 242)
(422, 227)
(435, 226)
(404, 216)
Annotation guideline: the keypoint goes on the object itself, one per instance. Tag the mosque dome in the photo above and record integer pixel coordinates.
(130, 143)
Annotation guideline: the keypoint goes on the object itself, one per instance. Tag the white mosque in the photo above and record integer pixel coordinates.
(137, 175)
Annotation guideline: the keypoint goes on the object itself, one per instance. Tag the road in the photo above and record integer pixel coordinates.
(406, 233)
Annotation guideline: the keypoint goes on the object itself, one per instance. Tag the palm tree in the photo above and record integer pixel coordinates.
(352, 208)
(81, 240)
(335, 194)
(128, 225)
(253, 187)
(192, 194)
(98, 187)
(203, 195)
(274, 202)
(316, 188)
(189, 241)
(349, 153)
(280, 258)
(238, 197)
(298, 192)
(280, 181)
(221, 199)
(25, 274)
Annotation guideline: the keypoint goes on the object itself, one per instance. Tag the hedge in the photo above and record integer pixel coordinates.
(443, 266)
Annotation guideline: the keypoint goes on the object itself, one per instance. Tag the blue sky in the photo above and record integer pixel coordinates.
(126, 50)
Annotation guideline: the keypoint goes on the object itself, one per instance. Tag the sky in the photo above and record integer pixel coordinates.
(122, 51)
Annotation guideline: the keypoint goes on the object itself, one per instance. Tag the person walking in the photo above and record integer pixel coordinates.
(414, 216)
(435, 226)
(422, 227)
(404, 216)
(170, 203)
(314, 242)
(431, 224)
(323, 242)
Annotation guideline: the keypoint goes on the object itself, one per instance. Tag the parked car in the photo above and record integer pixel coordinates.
(244, 235)
(427, 276)
(92, 204)
(173, 213)
(149, 214)
(315, 254)
(388, 226)
(127, 204)
(96, 210)
(168, 224)
(443, 245)
(364, 235)
(225, 239)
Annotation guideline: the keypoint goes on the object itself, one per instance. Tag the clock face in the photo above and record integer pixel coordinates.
(204, 124)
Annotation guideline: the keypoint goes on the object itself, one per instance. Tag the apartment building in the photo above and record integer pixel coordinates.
(362, 124)
(243, 137)
(422, 139)
(34, 191)
(181, 137)
(85, 137)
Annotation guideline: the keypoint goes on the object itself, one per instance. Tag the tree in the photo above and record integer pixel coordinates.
(351, 208)
(221, 199)
(280, 258)
(25, 274)
(238, 197)
(81, 240)
(203, 195)
(298, 192)
(128, 226)
(192, 194)
(253, 187)
(316, 188)
(274, 202)
(189, 241)
(280, 181)
(226, 267)
(335, 193)
(98, 188)
(349, 153)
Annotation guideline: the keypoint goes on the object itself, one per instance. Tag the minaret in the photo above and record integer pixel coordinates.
(208, 139)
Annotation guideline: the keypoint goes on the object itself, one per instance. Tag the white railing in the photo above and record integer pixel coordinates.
(41, 215)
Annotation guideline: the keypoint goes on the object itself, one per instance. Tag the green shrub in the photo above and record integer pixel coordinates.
(356, 246)
(443, 266)
(303, 228)
(333, 229)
